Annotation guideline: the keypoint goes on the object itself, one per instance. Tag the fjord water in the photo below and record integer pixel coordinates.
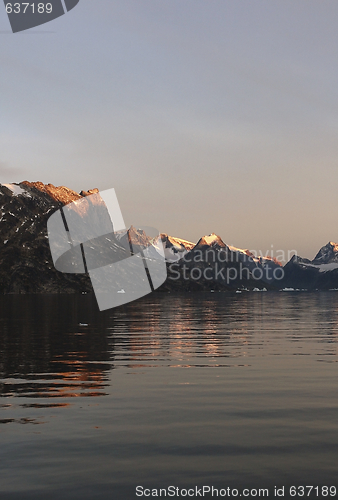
(188, 390)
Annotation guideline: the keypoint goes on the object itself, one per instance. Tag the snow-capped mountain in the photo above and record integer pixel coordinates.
(328, 254)
(212, 264)
(319, 273)
(175, 248)
(211, 240)
(26, 265)
(25, 260)
(211, 249)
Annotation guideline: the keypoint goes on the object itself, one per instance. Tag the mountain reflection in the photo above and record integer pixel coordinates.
(180, 331)
(48, 348)
(61, 347)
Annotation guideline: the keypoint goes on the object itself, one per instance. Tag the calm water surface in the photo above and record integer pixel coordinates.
(185, 390)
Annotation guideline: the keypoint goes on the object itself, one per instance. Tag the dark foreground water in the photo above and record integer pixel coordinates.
(231, 391)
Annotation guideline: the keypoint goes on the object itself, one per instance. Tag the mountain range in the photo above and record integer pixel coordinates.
(26, 265)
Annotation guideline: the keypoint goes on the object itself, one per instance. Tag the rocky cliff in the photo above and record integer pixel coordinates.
(26, 265)
(25, 261)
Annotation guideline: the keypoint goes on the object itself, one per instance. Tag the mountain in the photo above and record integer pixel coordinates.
(175, 248)
(271, 267)
(212, 241)
(214, 249)
(26, 265)
(327, 254)
(211, 264)
(320, 273)
(25, 261)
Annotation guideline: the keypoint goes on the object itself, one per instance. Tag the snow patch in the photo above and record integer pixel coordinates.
(171, 256)
(15, 189)
(174, 248)
(323, 268)
(181, 243)
(235, 249)
(210, 239)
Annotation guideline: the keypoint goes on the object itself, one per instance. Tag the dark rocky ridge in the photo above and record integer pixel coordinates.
(327, 254)
(26, 265)
(213, 265)
(25, 261)
(321, 273)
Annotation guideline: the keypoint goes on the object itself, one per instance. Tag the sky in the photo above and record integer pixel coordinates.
(205, 116)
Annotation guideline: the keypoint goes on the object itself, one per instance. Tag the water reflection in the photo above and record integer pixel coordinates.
(54, 347)
(226, 390)
(46, 353)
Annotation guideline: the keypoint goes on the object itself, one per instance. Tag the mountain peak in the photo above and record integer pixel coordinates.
(328, 253)
(175, 248)
(334, 245)
(211, 240)
(89, 192)
(176, 242)
(60, 193)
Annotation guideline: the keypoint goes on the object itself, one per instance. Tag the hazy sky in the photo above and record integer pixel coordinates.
(205, 116)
